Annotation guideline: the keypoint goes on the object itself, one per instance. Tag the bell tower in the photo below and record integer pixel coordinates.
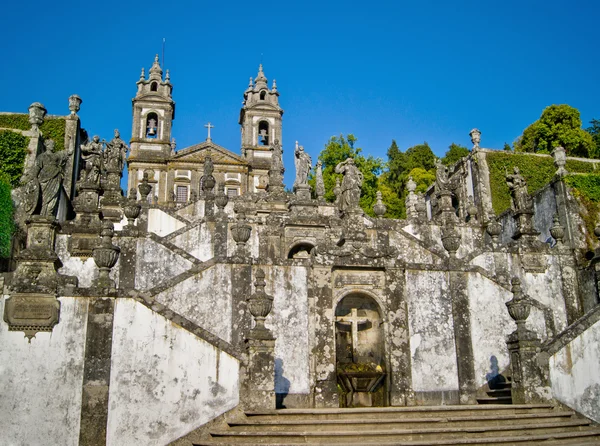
(153, 114)
(260, 118)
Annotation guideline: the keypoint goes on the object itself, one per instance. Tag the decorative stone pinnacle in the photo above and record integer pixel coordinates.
(411, 186)
(74, 104)
(143, 74)
(475, 138)
(167, 76)
(274, 85)
(260, 305)
(379, 208)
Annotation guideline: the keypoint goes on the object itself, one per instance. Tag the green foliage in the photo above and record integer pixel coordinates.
(338, 149)
(537, 170)
(580, 166)
(13, 149)
(594, 130)
(423, 178)
(6, 216)
(586, 189)
(559, 125)
(52, 127)
(396, 207)
(454, 153)
(507, 147)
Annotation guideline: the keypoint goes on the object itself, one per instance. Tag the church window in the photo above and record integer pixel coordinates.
(154, 86)
(263, 95)
(152, 125)
(182, 194)
(232, 192)
(263, 133)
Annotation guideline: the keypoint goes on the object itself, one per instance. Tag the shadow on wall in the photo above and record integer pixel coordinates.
(282, 384)
(494, 378)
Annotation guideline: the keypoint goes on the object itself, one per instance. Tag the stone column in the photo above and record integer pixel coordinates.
(259, 379)
(529, 373)
(96, 372)
(462, 334)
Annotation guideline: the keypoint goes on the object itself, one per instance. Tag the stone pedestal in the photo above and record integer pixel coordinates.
(259, 383)
(302, 192)
(529, 374)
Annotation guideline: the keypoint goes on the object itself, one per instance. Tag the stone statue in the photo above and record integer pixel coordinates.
(351, 184)
(48, 172)
(441, 176)
(521, 200)
(115, 153)
(209, 166)
(319, 184)
(92, 155)
(303, 166)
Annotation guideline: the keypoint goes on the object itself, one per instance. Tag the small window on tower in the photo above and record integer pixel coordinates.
(263, 95)
(154, 86)
(263, 133)
(182, 194)
(152, 125)
(232, 192)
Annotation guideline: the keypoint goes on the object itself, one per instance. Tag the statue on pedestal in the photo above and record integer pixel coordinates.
(351, 184)
(303, 166)
(48, 172)
(115, 153)
(92, 155)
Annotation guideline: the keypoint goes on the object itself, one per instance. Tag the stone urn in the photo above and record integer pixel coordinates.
(379, 208)
(74, 104)
(106, 255)
(519, 306)
(494, 229)
(221, 198)
(208, 183)
(145, 188)
(451, 240)
(241, 231)
(557, 231)
(131, 208)
(260, 305)
(37, 111)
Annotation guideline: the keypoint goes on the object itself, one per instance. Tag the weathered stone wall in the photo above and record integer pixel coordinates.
(165, 382)
(574, 373)
(41, 380)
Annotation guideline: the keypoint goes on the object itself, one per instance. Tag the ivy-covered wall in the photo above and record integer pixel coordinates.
(586, 189)
(537, 170)
(6, 217)
(53, 127)
(13, 149)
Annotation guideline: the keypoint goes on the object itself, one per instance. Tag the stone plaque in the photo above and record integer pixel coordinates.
(31, 313)
(351, 279)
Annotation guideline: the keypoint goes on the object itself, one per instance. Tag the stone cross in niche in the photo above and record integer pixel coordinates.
(209, 126)
(356, 324)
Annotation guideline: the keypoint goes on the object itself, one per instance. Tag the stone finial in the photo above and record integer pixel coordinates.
(494, 228)
(145, 188)
(319, 183)
(560, 161)
(143, 74)
(221, 198)
(475, 138)
(173, 146)
(260, 305)
(472, 210)
(379, 208)
(519, 306)
(167, 77)
(274, 88)
(106, 255)
(451, 240)
(411, 186)
(131, 208)
(37, 112)
(74, 104)
(156, 70)
(557, 231)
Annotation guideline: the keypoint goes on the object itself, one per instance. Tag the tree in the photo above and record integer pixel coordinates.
(507, 147)
(338, 149)
(559, 125)
(594, 130)
(454, 153)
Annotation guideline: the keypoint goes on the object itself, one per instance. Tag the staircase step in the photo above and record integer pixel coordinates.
(581, 438)
(255, 424)
(377, 435)
(495, 400)
(499, 393)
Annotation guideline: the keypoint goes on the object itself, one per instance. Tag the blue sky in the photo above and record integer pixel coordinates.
(410, 71)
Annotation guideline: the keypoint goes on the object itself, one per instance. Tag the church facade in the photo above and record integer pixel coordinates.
(137, 318)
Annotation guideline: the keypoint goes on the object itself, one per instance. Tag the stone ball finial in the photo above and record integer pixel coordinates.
(379, 208)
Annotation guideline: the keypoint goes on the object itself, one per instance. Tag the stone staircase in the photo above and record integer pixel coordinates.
(441, 425)
(500, 393)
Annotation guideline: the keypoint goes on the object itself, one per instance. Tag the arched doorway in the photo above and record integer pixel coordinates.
(360, 360)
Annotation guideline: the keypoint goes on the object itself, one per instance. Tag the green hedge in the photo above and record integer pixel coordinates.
(13, 149)
(6, 217)
(537, 170)
(52, 128)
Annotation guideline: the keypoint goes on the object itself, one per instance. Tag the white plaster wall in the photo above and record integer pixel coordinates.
(155, 264)
(485, 261)
(165, 382)
(84, 269)
(431, 325)
(547, 289)
(410, 250)
(193, 211)
(204, 299)
(574, 373)
(289, 322)
(162, 223)
(196, 242)
(490, 324)
(40, 400)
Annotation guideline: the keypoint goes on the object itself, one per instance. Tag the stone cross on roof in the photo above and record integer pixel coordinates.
(356, 324)
(209, 126)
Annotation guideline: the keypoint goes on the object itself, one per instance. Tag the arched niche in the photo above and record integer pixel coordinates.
(300, 250)
(151, 125)
(360, 351)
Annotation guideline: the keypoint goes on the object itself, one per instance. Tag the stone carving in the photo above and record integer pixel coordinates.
(260, 305)
(37, 111)
(351, 185)
(115, 153)
(557, 231)
(275, 186)
(92, 156)
(319, 184)
(173, 146)
(131, 208)
(145, 188)
(303, 164)
(560, 161)
(475, 138)
(221, 198)
(106, 255)
(74, 104)
(208, 180)
(451, 240)
(48, 172)
(379, 208)
(521, 200)
(337, 191)
(441, 176)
